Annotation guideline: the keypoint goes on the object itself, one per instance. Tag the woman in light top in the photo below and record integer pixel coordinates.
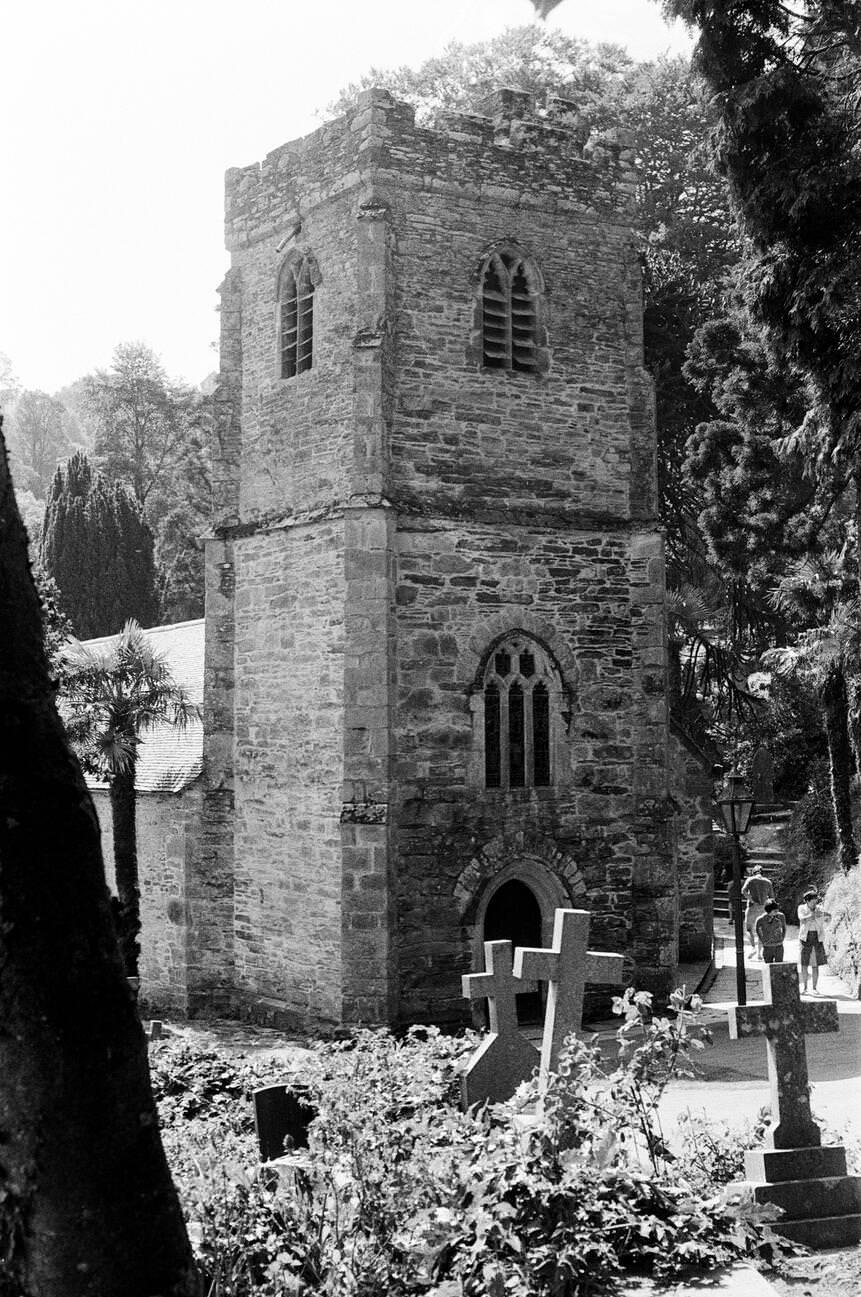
(811, 923)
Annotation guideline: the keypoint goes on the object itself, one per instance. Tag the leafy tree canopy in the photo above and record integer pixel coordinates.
(142, 419)
(787, 84)
(151, 435)
(762, 508)
(39, 435)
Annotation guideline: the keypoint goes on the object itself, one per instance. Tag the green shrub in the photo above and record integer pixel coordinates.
(713, 1151)
(842, 903)
(789, 724)
(808, 859)
(401, 1193)
(816, 811)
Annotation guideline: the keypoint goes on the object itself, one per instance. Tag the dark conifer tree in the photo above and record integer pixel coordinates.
(98, 549)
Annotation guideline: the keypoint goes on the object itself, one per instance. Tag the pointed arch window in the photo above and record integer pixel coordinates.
(521, 693)
(296, 317)
(510, 301)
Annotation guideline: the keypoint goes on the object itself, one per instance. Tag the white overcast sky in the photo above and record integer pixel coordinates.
(119, 119)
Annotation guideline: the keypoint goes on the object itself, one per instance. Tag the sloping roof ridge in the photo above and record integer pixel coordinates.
(147, 630)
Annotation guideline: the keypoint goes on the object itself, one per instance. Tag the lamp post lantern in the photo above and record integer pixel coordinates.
(736, 809)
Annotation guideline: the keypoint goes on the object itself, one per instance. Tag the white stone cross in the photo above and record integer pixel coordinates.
(784, 1022)
(505, 1057)
(566, 968)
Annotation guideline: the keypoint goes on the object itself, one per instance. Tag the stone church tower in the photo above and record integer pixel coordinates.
(435, 643)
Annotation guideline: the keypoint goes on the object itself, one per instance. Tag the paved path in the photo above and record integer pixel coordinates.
(734, 1081)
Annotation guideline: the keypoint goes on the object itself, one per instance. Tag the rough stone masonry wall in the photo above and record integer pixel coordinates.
(693, 789)
(519, 502)
(458, 587)
(489, 501)
(289, 654)
(167, 824)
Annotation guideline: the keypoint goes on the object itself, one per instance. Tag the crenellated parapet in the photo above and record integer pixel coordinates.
(512, 150)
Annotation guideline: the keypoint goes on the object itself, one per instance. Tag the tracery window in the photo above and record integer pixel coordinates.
(510, 295)
(296, 316)
(519, 684)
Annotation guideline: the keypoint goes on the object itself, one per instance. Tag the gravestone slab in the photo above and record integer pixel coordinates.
(566, 968)
(820, 1202)
(505, 1057)
(282, 1114)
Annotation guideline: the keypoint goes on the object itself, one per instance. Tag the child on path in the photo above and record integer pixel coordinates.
(770, 930)
(756, 890)
(811, 923)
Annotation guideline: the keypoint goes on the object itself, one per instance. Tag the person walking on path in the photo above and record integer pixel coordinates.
(755, 890)
(770, 930)
(811, 924)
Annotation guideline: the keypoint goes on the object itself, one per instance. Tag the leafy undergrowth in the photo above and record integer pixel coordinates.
(402, 1193)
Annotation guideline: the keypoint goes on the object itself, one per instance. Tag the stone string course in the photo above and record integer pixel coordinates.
(380, 519)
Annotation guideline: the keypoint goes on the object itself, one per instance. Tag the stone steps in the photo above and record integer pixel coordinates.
(821, 1204)
(838, 1195)
(823, 1231)
(773, 816)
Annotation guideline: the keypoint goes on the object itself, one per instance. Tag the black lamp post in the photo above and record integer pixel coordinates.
(736, 808)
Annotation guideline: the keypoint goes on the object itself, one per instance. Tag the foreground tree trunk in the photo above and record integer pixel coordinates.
(122, 796)
(87, 1207)
(835, 713)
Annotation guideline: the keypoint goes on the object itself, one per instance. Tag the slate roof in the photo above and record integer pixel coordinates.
(168, 761)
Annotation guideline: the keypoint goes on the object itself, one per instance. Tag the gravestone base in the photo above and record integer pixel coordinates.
(820, 1202)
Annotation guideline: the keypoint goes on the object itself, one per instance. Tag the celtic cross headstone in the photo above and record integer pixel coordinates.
(784, 1021)
(566, 968)
(819, 1202)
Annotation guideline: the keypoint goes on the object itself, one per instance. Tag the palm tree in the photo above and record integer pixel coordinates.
(109, 697)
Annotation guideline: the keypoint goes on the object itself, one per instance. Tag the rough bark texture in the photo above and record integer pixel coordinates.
(835, 711)
(87, 1207)
(123, 818)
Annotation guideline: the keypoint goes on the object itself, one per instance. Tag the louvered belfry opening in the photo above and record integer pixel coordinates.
(517, 690)
(509, 314)
(297, 319)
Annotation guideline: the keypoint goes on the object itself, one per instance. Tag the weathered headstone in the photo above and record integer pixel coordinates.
(505, 1057)
(282, 1114)
(822, 1204)
(566, 968)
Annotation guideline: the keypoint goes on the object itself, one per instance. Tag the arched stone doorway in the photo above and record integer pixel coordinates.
(514, 914)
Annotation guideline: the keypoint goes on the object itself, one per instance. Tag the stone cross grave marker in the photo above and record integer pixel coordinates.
(505, 1057)
(784, 1021)
(821, 1204)
(566, 968)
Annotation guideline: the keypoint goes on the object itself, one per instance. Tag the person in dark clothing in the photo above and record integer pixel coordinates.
(770, 931)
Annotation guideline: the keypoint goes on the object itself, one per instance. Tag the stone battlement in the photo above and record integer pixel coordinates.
(514, 151)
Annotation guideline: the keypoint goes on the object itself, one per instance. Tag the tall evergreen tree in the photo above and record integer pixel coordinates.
(99, 550)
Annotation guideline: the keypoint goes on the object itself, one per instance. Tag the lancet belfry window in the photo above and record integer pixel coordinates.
(520, 688)
(509, 313)
(296, 317)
